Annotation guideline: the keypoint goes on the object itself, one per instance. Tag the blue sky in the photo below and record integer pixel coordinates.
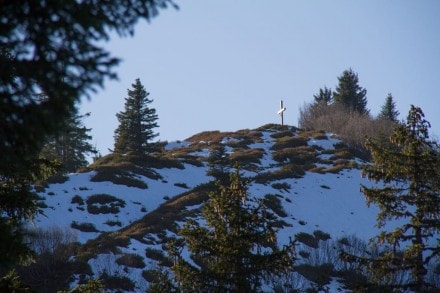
(225, 65)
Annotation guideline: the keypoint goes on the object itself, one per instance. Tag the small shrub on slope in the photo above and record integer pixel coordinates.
(131, 260)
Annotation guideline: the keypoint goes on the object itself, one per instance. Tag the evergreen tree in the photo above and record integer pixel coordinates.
(236, 250)
(219, 164)
(408, 169)
(33, 61)
(324, 96)
(350, 94)
(136, 123)
(388, 110)
(71, 145)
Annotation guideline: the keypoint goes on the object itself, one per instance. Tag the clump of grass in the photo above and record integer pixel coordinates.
(334, 169)
(182, 185)
(246, 157)
(149, 275)
(286, 171)
(319, 274)
(113, 223)
(131, 260)
(77, 199)
(157, 255)
(320, 235)
(284, 133)
(84, 227)
(281, 186)
(273, 202)
(289, 142)
(104, 204)
(119, 177)
(307, 239)
(297, 155)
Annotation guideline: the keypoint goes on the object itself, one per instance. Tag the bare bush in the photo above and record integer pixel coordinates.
(351, 126)
(53, 266)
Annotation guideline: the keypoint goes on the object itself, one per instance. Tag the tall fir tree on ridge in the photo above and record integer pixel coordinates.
(136, 123)
(350, 94)
(71, 145)
(388, 110)
(408, 170)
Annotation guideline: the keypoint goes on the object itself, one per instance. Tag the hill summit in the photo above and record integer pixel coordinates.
(123, 210)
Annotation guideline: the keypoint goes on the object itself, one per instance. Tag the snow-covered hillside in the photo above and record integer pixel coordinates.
(326, 197)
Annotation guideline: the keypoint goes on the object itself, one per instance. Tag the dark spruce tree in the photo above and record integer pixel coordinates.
(349, 94)
(137, 122)
(409, 192)
(325, 96)
(236, 249)
(71, 145)
(388, 110)
(219, 165)
(33, 62)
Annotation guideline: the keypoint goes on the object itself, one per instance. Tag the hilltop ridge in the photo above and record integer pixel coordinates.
(120, 207)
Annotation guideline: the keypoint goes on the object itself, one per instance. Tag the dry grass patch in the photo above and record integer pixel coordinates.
(284, 133)
(273, 202)
(297, 155)
(286, 171)
(279, 127)
(209, 136)
(307, 239)
(246, 157)
(131, 260)
(84, 227)
(289, 142)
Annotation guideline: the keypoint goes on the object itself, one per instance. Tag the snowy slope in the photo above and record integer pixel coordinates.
(330, 202)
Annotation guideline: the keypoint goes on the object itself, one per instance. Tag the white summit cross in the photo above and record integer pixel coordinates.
(281, 112)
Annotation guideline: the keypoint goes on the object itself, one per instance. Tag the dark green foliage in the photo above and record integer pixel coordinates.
(71, 145)
(324, 96)
(408, 168)
(349, 94)
(236, 250)
(388, 110)
(219, 165)
(11, 282)
(51, 55)
(92, 286)
(136, 124)
(131, 260)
